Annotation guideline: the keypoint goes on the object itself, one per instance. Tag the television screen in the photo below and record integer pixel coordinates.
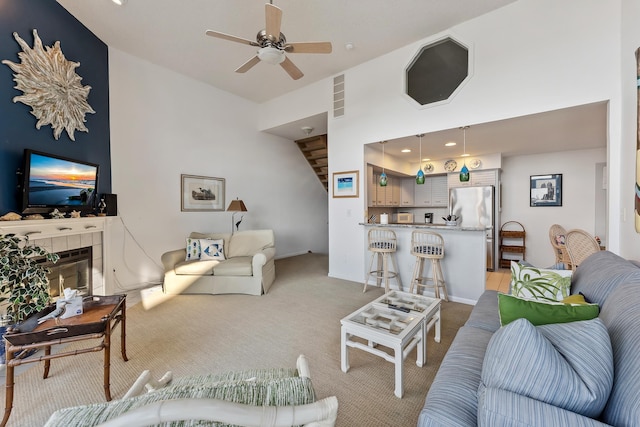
(55, 182)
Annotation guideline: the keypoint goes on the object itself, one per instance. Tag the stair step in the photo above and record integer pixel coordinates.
(314, 150)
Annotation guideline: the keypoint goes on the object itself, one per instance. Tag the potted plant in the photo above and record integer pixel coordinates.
(24, 285)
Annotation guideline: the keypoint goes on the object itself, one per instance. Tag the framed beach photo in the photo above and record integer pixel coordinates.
(201, 193)
(546, 190)
(345, 184)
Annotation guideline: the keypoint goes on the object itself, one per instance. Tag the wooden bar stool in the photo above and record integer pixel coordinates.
(382, 245)
(427, 245)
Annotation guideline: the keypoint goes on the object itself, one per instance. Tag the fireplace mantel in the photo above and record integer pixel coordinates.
(57, 235)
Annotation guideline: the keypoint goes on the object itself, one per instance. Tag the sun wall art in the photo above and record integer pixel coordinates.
(51, 87)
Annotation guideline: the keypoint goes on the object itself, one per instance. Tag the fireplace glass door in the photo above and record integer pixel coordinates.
(73, 270)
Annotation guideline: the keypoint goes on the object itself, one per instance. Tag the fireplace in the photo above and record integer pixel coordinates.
(72, 235)
(73, 270)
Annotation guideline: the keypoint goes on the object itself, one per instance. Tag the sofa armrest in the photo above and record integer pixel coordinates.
(261, 258)
(502, 408)
(171, 258)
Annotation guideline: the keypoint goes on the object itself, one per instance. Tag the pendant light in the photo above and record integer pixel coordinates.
(420, 174)
(464, 172)
(383, 176)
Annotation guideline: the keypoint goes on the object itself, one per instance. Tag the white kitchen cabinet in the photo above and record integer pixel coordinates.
(396, 191)
(476, 178)
(371, 186)
(433, 193)
(407, 196)
(439, 191)
(422, 193)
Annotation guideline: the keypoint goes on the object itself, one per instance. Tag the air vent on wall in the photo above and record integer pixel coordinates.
(338, 96)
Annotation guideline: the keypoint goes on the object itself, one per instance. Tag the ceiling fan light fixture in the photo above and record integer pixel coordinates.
(271, 55)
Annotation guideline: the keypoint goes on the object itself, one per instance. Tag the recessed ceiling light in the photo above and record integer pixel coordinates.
(405, 150)
(450, 144)
(119, 2)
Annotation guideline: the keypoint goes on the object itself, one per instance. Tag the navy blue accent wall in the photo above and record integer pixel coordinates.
(17, 124)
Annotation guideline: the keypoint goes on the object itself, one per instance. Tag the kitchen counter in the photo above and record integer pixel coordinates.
(425, 225)
(463, 265)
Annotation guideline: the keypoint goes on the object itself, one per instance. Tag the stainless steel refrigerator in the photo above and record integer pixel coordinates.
(475, 207)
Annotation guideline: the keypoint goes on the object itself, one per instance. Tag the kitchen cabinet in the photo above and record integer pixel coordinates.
(396, 191)
(371, 186)
(439, 191)
(378, 196)
(407, 196)
(476, 178)
(433, 193)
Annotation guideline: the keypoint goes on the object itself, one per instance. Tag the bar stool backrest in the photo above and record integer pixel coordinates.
(427, 244)
(382, 240)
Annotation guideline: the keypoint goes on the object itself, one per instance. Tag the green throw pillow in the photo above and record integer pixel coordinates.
(540, 283)
(542, 313)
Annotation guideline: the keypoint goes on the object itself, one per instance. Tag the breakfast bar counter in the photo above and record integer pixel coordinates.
(463, 265)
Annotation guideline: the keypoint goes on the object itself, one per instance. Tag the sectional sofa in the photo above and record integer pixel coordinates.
(582, 373)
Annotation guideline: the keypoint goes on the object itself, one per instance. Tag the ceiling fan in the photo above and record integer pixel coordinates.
(273, 45)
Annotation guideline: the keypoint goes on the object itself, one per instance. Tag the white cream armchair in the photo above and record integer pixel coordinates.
(247, 268)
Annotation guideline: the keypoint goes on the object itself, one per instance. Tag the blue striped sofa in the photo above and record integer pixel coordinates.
(459, 397)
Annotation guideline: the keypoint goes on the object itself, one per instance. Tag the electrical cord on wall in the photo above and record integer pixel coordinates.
(140, 285)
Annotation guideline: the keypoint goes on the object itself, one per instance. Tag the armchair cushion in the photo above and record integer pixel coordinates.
(196, 267)
(212, 249)
(247, 243)
(270, 387)
(237, 266)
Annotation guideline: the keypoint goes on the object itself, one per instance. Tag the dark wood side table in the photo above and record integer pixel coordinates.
(101, 314)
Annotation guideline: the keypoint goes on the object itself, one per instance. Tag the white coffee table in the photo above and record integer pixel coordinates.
(397, 320)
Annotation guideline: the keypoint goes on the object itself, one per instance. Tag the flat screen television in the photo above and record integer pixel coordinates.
(55, 182)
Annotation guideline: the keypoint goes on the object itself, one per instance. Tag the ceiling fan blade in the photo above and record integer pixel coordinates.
(291, 69)
(273, 15)
(229, 37)
(248, 65)
(308, 47)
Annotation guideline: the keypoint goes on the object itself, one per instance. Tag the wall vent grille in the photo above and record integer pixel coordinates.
(338, 96)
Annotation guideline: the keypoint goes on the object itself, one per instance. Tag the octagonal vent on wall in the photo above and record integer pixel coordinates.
(437, 71)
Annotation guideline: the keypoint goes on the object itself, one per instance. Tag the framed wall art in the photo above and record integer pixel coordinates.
(201, 193)
(345, 184)
(546, 190)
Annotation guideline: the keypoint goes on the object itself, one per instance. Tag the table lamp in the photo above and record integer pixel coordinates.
(235, 206)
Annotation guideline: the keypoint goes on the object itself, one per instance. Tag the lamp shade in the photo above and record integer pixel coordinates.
(237, 205)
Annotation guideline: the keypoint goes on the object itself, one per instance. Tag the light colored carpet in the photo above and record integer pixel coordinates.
(196, 334)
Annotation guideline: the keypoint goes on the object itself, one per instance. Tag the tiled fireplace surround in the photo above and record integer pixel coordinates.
(58, 235)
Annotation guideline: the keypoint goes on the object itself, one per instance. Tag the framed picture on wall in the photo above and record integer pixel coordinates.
(345, 184)
(546, 190)
(201, 193)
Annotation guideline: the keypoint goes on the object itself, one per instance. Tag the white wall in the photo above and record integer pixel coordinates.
(163, 125)
(530, 56)
(578, 186)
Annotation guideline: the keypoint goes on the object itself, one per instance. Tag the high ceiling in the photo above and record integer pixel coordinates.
(171, 33)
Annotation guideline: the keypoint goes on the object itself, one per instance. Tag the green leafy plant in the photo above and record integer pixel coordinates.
(24, 284)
